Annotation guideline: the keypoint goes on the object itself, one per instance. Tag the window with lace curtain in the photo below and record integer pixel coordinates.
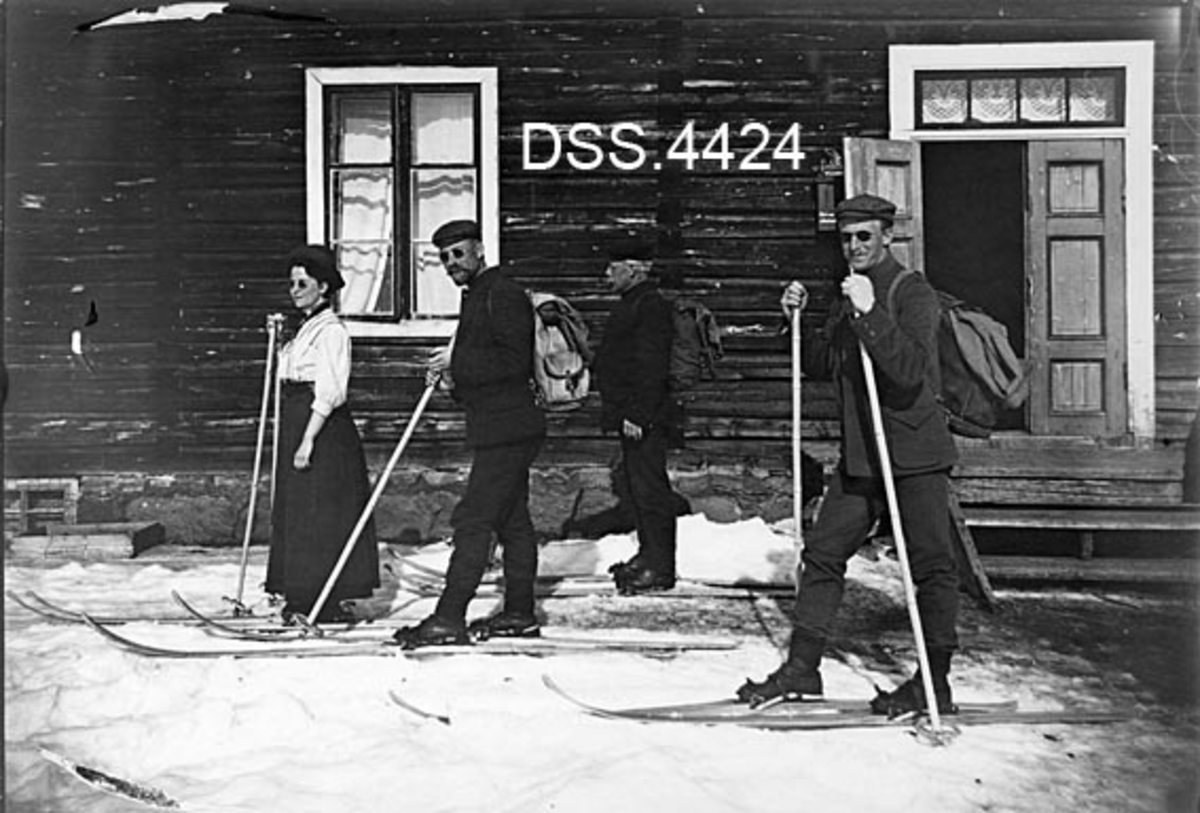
(393, 154)
(1035, 98)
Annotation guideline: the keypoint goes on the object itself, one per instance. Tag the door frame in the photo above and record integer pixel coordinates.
(1137, 58)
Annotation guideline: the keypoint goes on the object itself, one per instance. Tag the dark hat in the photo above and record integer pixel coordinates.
(319, 263)
(861, 208)
(456, 230)
(629, 248)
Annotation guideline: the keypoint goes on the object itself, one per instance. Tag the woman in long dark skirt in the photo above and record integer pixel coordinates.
(321, 485)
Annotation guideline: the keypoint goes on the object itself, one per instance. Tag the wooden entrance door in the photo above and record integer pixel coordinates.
(1076, 308)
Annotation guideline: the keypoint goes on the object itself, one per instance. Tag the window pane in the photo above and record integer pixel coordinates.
(1075, 291)
(435, 294)
(1043, 99)
(944, 101)
(367, 270)
(364, 129)
(994, 100)
(443, 128)
(439, 195)
(1094, 98)
(363, 221)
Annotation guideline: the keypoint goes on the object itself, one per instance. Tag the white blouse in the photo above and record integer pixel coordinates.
(320, 353)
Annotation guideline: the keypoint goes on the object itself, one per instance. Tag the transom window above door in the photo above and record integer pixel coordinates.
(1028, 98)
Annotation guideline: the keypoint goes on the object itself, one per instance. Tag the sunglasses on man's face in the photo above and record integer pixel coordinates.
(860, 236)
(452, 253)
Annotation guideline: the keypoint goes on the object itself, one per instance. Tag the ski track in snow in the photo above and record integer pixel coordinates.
(322, 735)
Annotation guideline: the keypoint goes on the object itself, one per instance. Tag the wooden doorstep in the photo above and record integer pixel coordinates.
(1164, 518)
(1067, 569)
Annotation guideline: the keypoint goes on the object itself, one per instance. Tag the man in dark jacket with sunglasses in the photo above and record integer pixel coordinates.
(488, 372)
(903, 350)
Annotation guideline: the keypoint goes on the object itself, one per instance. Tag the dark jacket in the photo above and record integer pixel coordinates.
(903, 350)
(633, 365)
(492, 363)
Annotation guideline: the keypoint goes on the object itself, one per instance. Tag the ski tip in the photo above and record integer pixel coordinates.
(100, 780)
(427, 715)
(553, 686)
(55, 758)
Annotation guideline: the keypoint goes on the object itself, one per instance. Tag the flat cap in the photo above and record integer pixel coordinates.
(861, 208)
(319, 263)
(453, 231)
(629, 248)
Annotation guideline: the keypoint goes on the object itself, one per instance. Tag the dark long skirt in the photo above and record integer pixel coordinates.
(316, 510)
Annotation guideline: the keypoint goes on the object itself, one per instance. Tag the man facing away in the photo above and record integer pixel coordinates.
(488, 372)
(633, 368)
(903, 351)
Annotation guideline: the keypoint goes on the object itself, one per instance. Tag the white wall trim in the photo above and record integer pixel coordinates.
(1137, 57)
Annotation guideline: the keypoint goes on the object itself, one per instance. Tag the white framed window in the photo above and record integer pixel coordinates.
(391, 154)
(1054, 93)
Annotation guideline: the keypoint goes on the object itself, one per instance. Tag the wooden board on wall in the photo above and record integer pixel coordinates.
(167, 181)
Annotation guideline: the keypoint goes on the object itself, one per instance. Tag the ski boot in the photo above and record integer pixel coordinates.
(797, 680)
(640, 578)
(790, 683)
(620, 569)
(295, 614)
(433, 631)
(505, 624)
(909, 697)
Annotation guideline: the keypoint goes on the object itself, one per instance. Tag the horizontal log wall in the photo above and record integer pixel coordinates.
(157, 173)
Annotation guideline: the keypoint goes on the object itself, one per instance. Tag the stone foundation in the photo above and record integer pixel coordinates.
(210, 508)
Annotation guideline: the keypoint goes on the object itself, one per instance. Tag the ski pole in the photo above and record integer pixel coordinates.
(893, 504)
(369, 508)
(272, 325)
(275, 429)
(797, 461)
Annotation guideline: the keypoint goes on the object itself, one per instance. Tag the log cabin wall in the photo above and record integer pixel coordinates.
(155, 174)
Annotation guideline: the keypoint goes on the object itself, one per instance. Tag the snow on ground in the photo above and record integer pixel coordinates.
(322, 735)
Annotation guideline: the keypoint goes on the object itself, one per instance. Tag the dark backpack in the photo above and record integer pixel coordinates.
(695, 345)
(981, 375)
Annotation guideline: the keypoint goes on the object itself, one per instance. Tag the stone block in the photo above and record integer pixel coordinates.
(192, 520)
(106, 540)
